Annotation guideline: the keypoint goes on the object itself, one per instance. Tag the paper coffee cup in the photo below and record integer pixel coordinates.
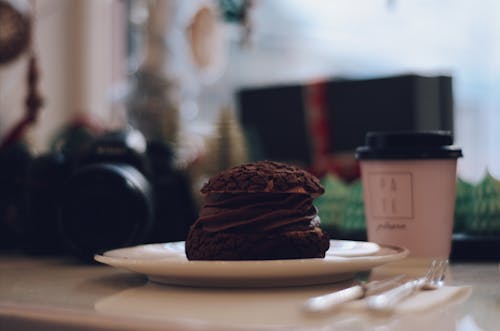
(409, 187)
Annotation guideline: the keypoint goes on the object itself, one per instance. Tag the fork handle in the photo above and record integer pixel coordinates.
(388, 301)
(333, 300)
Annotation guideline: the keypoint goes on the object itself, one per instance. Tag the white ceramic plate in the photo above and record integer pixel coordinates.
(167, 263)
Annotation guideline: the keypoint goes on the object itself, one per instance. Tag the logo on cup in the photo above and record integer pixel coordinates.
(391, 194)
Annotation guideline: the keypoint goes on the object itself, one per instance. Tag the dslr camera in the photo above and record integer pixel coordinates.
(117, 191)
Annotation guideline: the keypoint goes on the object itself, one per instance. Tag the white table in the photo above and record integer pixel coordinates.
(57, 293)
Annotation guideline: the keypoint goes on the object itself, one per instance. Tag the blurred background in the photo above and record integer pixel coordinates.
(88, 51)
(221, 82)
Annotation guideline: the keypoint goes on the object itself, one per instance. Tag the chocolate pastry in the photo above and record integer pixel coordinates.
(258, 211)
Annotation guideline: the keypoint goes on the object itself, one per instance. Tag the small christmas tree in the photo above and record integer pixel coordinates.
(353, 220)
(331, 204)
(227, 147)
(485, 208)
(463, 205)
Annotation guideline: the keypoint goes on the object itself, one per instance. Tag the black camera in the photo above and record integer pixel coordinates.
(117, 191)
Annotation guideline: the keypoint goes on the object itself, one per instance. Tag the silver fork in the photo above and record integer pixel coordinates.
(433, 279)
(330, 301)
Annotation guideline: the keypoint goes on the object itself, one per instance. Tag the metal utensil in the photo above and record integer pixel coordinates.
(433, 279)
(332, 300)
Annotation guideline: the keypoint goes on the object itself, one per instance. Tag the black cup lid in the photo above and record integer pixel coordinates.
(408, 145)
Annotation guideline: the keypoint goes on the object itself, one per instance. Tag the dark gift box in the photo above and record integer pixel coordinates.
(311, 123)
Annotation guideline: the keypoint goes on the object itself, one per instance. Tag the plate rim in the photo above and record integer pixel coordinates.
(398, 249)
(249, 273)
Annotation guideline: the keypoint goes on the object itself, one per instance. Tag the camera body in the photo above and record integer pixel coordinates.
(117, 191)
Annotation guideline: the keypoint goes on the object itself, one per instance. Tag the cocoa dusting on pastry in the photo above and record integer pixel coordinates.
(264, 176)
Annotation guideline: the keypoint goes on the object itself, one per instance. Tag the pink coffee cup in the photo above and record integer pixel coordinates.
(409, 187)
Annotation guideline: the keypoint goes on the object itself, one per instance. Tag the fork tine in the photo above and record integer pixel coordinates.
(429, 275)
(439, 272)
(432, 280)
(444, 268)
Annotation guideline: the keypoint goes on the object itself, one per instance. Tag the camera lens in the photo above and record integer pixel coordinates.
(105, 206)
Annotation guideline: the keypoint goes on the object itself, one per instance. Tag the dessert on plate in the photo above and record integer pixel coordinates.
(258, 211)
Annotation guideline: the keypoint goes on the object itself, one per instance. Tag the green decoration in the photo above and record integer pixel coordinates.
(353, 220)
(233, 10)
(463, 205)
(485, 218)
(332, 203)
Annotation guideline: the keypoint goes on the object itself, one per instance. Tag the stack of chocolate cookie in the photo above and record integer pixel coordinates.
(258, 211)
